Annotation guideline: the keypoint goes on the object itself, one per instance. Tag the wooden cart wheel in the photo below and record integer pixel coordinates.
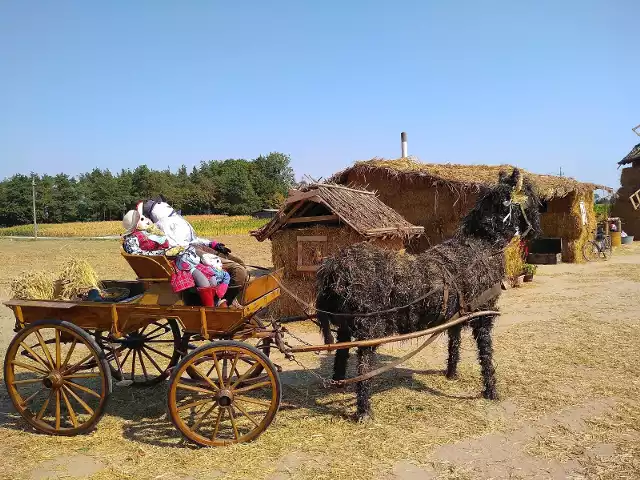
(57, 377)
(145, 355)
(224, 405)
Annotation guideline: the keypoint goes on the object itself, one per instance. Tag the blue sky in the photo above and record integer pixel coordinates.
(544, 84)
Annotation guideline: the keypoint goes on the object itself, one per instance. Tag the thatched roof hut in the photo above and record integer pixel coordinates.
(437, 196)
(319, 220)
(632, 157)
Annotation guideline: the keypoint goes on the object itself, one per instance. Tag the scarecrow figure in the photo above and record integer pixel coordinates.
(141, 236)
(180, 233)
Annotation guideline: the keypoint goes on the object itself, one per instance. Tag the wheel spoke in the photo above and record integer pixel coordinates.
(144, 368)
(159, 341)
(57, 348)
(125, 357)
(204, 415)
(35, 356)
(218, 420)
(245, 374)
(88, 409)
(252, 387)
(195, 403)
(44, 406)
(31, 397)
(205, 378)
(82, 388)
(233, 423)
(157, 367)
(233, 368)
(33, 368)
(78, 365)
(194, 388)
(72, 414)
(133, 366)
(160, 327)
(257, 401)
(30, 380)
(158, 352)
(83, 375)
(68, 357)
(218, 371)
(57, 409)
(44, 348)
(246, 414)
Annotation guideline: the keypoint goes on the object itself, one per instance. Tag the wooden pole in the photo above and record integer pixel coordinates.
(35, 223)
(403, 144)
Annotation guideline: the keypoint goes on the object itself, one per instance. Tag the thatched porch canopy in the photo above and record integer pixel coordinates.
(632, 156)
(471, 178)
(334, 204)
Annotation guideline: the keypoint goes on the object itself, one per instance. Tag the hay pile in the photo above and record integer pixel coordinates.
(630, 182)
(514, 263)
(76, 278)
(284, 251)
(34, 285)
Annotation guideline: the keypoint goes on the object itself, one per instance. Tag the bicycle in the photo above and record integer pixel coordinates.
(598, 248)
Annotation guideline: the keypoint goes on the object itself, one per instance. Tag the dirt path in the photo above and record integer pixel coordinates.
(568, 376)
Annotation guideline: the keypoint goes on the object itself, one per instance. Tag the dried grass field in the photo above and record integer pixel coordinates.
(568, 377)
(205, 225)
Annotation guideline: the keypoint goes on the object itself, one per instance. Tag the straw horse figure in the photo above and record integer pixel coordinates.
(363, 278)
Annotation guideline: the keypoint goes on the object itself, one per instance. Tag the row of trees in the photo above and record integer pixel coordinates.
(234, 187)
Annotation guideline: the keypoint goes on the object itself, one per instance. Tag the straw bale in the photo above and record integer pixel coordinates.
(34, 286)
(630, 218)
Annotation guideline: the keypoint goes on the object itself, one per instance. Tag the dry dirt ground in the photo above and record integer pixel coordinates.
(567, 358)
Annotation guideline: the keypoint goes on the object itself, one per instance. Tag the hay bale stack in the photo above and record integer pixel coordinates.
(284, 250)
(33, 286)
(78, 276)
(630, 183)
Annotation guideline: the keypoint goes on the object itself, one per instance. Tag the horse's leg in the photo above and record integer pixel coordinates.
(454, 350)
(342, 355)
(482, 333)
(363, 388)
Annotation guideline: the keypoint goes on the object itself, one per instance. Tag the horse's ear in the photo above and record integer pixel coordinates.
(503, 177)
(515, 179)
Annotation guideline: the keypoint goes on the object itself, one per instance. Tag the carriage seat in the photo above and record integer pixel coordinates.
(149, 267)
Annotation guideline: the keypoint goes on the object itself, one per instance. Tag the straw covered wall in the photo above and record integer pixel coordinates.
(284, 251)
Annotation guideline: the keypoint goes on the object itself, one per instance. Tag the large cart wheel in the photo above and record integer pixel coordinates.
(57, 377)
(225, 403)
(145, 355)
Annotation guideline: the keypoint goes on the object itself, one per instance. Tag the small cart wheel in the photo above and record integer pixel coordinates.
(146, 355)
(57, 377)
(225, 403)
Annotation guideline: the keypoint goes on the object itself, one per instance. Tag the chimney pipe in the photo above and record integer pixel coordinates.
(403, 143)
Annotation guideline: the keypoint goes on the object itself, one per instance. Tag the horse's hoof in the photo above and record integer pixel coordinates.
(451, 376)
(364, 417)
(490, 395)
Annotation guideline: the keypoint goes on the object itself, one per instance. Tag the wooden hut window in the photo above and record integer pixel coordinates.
(311, 251)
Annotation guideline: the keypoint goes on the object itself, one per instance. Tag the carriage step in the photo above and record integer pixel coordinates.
(124, 383)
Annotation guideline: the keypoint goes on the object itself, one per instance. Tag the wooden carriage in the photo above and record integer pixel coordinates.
(71, 350)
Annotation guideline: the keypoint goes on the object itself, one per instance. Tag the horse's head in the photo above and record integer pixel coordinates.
(507, 209)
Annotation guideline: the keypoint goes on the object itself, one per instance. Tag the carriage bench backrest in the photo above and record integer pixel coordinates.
(150, 267)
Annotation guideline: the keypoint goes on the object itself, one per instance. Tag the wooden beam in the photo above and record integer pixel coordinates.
(318, 218)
